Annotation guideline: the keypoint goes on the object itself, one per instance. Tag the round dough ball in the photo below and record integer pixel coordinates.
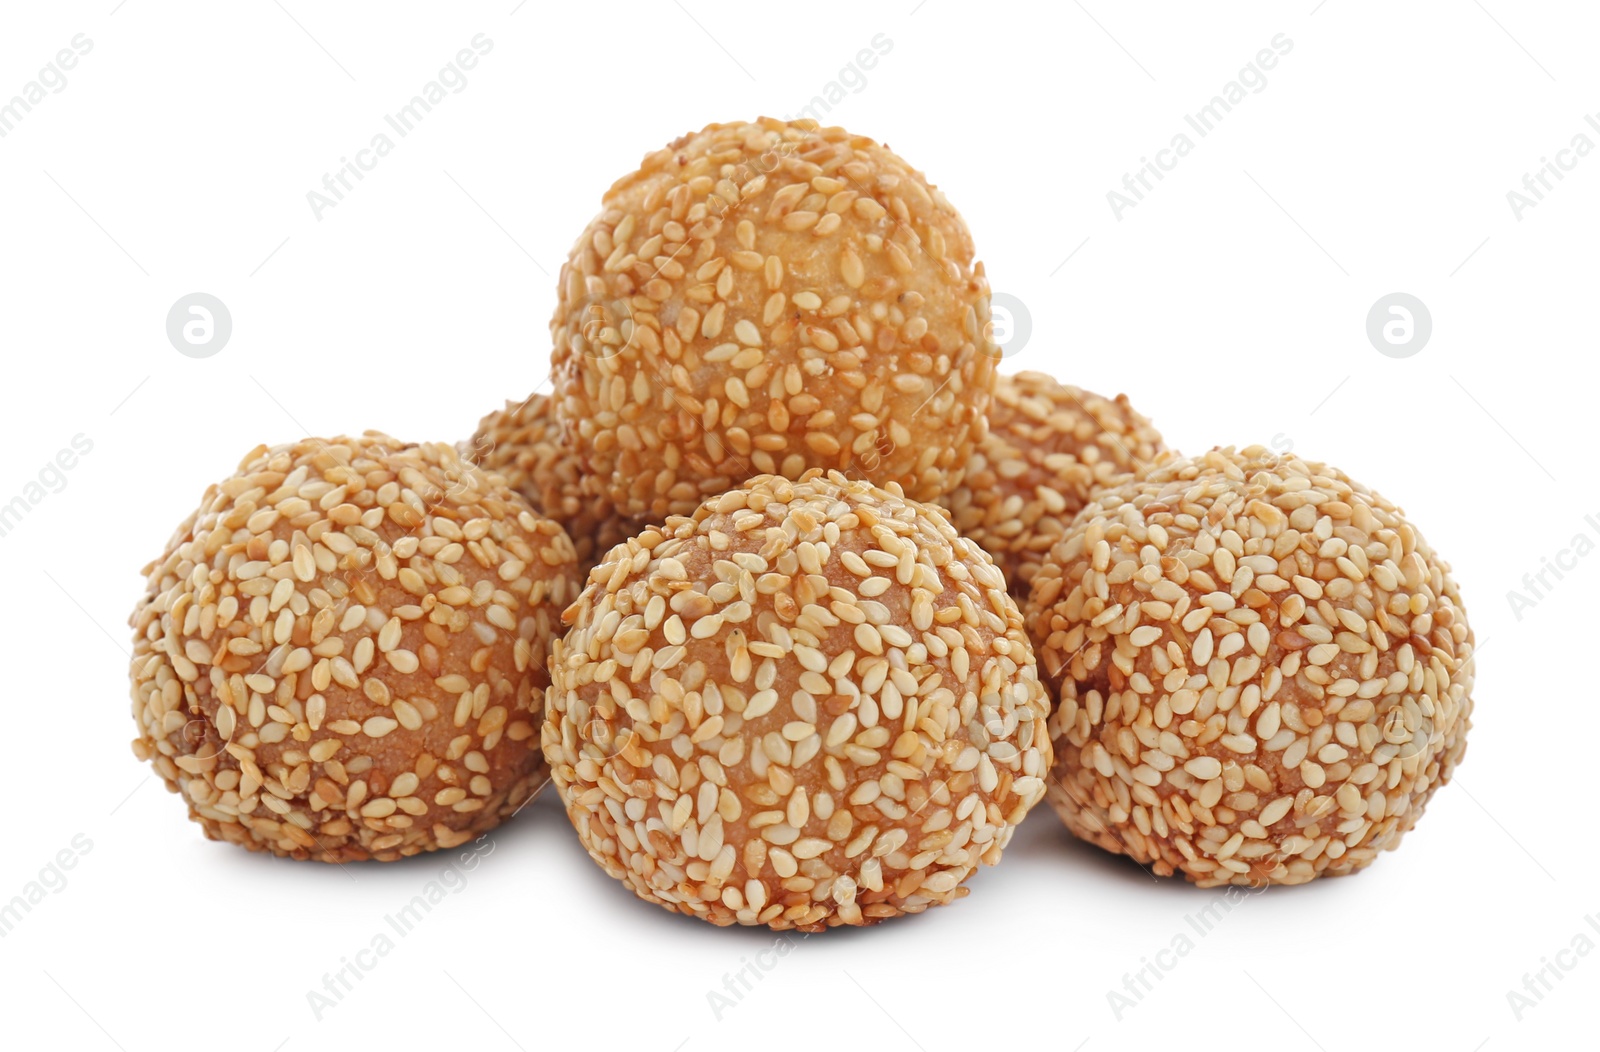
(523, 443)
(811, 704)
(1049, 448)
(1264, 671)
(768, 298)
(341, 654)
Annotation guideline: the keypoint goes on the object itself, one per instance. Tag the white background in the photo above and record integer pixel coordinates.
(1230, 304)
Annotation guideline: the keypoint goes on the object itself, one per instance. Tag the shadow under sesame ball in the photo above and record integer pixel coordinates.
(811, 704)
(1264, 672)
(340, 656)
(771, 297)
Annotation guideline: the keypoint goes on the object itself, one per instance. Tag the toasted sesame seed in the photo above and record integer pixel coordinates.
(403, 661)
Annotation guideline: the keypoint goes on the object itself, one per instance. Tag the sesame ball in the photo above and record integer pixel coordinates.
(340, 654)
(1264, 671)
(523, 443)
(769, 298)
(811, 704)
(1049, 448)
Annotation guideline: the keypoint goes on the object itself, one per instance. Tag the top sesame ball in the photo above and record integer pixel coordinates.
(1264, 671)
(523, 443)
(767, 298)
(811, 704)
(1050, 447)
(341, 654)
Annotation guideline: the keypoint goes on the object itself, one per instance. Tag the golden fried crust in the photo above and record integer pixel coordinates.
(767, 298)
(340, 655)
(811, 704)
(1264, 671)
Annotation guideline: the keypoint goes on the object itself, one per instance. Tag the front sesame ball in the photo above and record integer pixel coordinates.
(768, 298)
(810, 704)
(523, 443)
(1050, 447)
(1264, 671)
(341, 654)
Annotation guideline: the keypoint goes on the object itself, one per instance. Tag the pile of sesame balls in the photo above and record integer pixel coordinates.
(799, 604)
